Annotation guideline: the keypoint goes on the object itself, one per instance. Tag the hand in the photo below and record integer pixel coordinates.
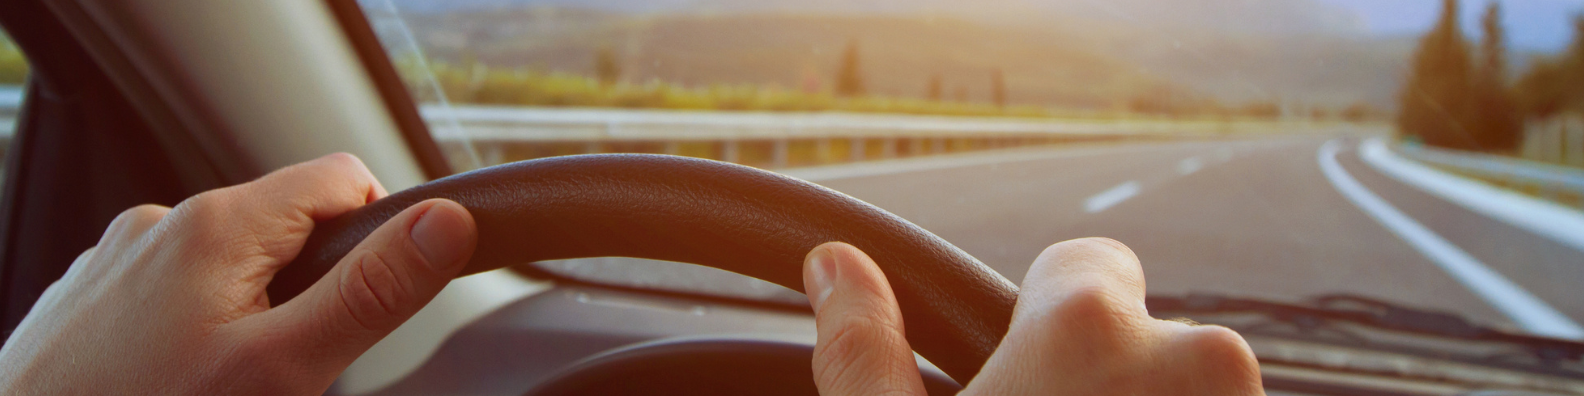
(172, 301)
(1080, 328)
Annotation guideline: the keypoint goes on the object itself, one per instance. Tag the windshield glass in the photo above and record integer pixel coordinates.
(1424, 152)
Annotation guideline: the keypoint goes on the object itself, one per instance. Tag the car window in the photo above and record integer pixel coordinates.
(1425, 152)
(13, 73)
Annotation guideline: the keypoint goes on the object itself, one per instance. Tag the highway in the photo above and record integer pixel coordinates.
(1245, 217)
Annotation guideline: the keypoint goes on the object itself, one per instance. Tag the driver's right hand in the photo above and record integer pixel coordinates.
(1080, 328)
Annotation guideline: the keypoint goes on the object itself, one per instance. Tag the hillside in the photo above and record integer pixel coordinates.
(1066, 53)
(898, 54)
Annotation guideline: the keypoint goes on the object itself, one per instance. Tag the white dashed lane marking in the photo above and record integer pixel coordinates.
(1189, 165)
(1111, 197)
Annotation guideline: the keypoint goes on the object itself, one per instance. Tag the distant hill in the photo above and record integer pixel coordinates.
(1085, 53)
(898, 55)
(1267, 16)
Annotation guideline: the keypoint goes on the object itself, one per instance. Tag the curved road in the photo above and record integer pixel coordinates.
(1248, 217)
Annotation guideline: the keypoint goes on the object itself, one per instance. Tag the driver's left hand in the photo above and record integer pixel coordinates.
(172, 301)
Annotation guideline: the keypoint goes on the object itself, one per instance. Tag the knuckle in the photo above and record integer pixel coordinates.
(856, 334)
(372, 291)
(1090, 247)
(345, 163)
(138, 218)
(206, 205)
(1223, 352)
(1095, 307)
(853, 338)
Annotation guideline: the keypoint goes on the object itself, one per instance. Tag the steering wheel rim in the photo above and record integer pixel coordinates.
(718, 214)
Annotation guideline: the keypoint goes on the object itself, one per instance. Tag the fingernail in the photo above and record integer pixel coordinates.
(822, 276)
(441, 235)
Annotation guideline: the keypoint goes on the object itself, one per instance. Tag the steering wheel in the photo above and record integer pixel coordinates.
(711, 213)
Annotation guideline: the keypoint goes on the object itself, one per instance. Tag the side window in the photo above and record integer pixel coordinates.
(13, 72)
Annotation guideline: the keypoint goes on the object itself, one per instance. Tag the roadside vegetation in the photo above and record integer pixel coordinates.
(470, 81)
(13, 67)
(1459, 95)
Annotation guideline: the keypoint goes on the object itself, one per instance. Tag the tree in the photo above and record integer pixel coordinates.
(934, 91)
(606, 68)
(849, 80)
(1435, 99)
(1495, 121)
(998, 89)
(1555, 85)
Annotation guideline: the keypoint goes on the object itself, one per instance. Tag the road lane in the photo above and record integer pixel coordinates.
(1526, 310)
(1258, 218)
(1550, 270)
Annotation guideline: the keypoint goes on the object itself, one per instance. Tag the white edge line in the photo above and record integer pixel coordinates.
(1550, 220)
(1524, 308)
(1108, 198)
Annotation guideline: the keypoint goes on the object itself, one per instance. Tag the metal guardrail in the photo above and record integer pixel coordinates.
(780, 140)
(1558, 183)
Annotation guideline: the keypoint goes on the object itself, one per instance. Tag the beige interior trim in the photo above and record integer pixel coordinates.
(276, 77)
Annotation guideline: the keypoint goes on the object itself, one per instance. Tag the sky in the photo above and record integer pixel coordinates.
(1537, 25)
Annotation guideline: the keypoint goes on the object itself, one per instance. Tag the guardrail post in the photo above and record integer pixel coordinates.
(939, 146)
(856, 149)
(493, 153)
(915, 146)
(731, 151)
(822, 150)
(673, 147)
(1573, 142)
(592, 147)
(888, 148)
(778, 153)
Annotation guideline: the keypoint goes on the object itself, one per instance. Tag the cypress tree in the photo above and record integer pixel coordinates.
(1496, 121)
(849, 80)
(1436, 98)
(606, 67)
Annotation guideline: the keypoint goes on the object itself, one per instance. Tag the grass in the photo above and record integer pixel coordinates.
(519, 87)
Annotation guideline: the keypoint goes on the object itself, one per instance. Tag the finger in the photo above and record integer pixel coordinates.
(1211, 346)
(1083, 268)
(133, 223)
(1081, 303)
(278, 210)
(861, 349)
(322, 188)
(379, 285)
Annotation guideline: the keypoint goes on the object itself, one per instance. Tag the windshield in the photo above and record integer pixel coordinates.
(1424, 152)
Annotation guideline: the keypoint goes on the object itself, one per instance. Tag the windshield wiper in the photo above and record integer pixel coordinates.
(1316, 312)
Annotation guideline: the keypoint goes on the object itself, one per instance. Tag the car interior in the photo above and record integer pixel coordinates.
(687, 278)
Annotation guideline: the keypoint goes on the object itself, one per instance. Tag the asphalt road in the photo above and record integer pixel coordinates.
(1251, 217)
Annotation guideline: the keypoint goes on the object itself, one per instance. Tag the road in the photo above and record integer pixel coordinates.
(1249, 217)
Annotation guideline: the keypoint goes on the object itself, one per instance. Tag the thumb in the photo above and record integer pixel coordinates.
(861, 349)
(381, 283)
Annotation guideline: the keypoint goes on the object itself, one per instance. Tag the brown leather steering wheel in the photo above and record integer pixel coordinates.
(712, 213)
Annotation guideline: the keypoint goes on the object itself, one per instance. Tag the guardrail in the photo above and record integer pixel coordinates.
(767, 139)
(1558, 140)
(780, 140)
(1560, 184)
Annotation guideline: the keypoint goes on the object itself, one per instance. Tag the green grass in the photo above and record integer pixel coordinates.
(13, 67)
(480, 85)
